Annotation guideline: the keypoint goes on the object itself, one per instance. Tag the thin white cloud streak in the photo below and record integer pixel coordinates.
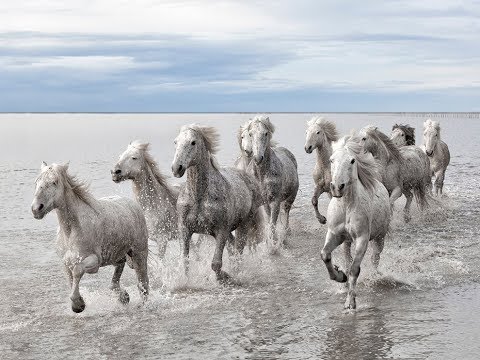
(427, 44)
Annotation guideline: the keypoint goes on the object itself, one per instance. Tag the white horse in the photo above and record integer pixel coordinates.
(437, 151)
(403, 170)
(359, 210)
(92, 232)
(214, 201)
(157, 198)
(403, 135)
(275, 170)
(245, 144)
(320, 135)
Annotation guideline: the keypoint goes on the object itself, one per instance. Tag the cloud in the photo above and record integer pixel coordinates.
(90, 53)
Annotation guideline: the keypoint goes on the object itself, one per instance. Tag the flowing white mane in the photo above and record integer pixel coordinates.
(60, 174)
(152, 164)
(431, 124)
(265, 120)
(328, 127)
(367, 166)
(210, 137)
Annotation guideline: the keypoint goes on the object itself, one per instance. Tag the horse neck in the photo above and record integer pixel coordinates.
(68, 210)
(263, 167)
(149, 191)
(382, 154)
(198, 176)
(323, 155)
(352, 197)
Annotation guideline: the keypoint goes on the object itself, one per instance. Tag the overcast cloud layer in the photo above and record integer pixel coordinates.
(145, 55)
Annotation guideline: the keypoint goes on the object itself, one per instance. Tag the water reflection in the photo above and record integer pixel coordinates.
(363, 334)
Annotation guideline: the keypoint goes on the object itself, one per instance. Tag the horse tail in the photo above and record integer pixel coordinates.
(421, 196)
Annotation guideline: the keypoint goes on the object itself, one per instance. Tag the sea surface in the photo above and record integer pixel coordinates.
(425, 305)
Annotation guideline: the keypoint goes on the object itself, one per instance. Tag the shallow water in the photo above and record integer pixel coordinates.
(425, 304)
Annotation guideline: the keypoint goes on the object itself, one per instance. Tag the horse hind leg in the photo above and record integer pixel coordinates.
(139, 261)
(406, 210)
(377, 248)
(123, 296)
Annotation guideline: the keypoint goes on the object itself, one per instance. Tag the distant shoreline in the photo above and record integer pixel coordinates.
(473, 114)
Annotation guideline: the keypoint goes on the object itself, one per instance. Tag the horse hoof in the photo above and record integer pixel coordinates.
(78, 306)
(224, 279)
(123, 297)
(322, 219)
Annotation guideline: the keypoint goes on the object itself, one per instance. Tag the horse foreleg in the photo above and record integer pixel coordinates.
(139, 260)
(439, 177)
(272, 233)
(376, 251)
(217, 262)
(316, 194)
(162, 242)
(115, 285)
(185, 238)
(360, 249)
(88, 265)
(332, 241)
(406, 210)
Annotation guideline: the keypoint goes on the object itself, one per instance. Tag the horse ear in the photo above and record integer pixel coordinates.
(43, 166)
(66, 165)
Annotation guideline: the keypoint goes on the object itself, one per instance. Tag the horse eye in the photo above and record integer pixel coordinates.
(403, 134)
(353, 160)
(193, 142)
(266, 134)
(318, 132)
(54, 183)
(134, 158)
(364, 139)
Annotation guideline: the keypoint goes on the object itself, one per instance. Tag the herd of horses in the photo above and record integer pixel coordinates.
(364, 173)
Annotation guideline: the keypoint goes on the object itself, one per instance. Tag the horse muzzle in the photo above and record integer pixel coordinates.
(117, 175)
(308, 149)
(337, 191)
(178, 170)
(38, 211)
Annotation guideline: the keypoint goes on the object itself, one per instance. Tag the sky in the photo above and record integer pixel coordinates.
(239, 56)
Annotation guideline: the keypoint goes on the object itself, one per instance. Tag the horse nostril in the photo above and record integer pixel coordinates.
(40, 207)
(118, 171)
(310, 148)
(341, 187)
(180, 167)
(332, 186)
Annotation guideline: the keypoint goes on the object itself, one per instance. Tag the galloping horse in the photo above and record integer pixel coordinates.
(275, 170)
(93, 232)
(437, 151)
(320, 135)
(215, 201)
(157, 198)
(403, 169)
(359, 210)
